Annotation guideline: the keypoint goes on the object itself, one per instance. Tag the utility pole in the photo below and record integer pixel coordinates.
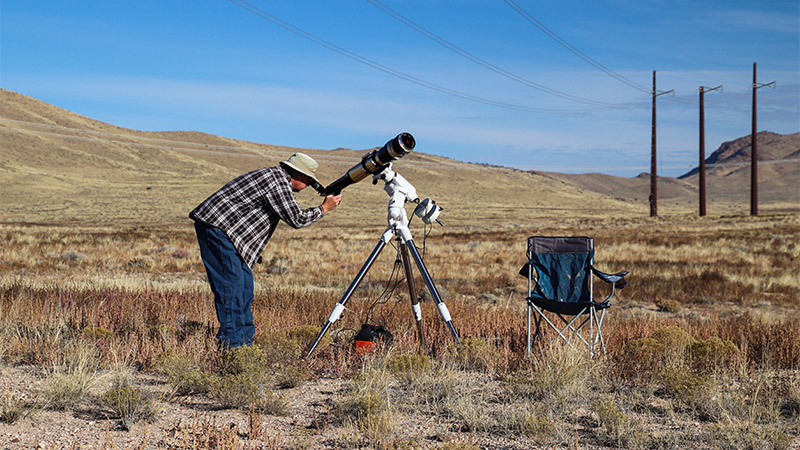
(653, 173)
(754, 147)
(702, 180)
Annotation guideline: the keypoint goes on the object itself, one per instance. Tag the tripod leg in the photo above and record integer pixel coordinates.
(443, 312)
(415, 308)
(339, 308)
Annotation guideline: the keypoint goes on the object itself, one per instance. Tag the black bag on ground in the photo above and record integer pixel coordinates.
(370, 336)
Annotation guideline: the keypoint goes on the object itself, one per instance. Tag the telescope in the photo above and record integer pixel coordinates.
(372, 163)
(379, 165)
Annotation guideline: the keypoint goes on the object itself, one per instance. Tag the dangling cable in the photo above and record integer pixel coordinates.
(384, 296)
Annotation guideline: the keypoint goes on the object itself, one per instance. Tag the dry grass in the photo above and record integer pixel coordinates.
(77, 301)
(103, 298)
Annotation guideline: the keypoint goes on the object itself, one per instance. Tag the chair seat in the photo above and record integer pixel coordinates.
(567, 308)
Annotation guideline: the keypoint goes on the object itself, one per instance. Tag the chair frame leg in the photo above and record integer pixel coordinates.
(595, 321)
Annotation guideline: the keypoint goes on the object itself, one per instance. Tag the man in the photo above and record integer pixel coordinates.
(233, 226)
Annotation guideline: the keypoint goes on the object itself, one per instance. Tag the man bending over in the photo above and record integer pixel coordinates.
(233, 226)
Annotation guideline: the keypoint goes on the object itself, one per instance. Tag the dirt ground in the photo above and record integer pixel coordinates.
(184, 422)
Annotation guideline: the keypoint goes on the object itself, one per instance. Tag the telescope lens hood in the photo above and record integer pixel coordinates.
(374, 162)
(396, 148)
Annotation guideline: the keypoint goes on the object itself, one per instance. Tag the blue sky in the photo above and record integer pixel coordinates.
(473, 80)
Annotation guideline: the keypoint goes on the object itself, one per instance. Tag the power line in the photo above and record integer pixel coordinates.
(388, 70)
(480, 61)
(574, 50)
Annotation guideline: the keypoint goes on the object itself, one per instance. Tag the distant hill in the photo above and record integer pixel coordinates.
(727, 177)
(728, 170)
(625, 188)
(731, 156)
(58, 167)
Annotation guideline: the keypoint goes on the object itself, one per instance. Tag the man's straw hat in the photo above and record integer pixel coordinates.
(300, 162)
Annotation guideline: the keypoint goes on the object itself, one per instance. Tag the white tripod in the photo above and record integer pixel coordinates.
(400, 192)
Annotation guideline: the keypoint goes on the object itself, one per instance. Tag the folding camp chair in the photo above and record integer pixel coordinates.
(559, 282)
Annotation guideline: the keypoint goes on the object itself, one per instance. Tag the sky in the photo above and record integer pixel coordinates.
(561, 86)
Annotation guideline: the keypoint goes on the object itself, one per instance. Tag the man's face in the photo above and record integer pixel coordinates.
(299, 182)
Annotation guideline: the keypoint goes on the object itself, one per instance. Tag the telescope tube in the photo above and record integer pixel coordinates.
(374, 162)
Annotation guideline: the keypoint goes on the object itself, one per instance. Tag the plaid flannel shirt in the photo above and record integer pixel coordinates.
(249, 207)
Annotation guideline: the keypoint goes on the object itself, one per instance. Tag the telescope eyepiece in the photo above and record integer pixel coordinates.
(317, 187)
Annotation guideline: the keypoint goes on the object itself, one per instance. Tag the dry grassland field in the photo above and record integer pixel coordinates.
(107, 323)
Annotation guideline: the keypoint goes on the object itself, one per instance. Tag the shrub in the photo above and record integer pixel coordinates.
(555, 378)
(247, 359)
(618, 428)
(683, 385)
(292, 376)
(640, 355)
(539, 427)
(458, 446)
(711, 353)
(68, 382)
(748, 435)
(269, 402)
(673, 341)
(277, 347)
(611, 418)
(408, 368)
(666, 347)
(475, 354)
(98, 333)
(234, 390)
(667, 305)
(130, 405)
(183, 373)
(13, 408)
(367, 403)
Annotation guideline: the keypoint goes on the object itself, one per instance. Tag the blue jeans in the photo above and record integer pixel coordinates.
(231, 282)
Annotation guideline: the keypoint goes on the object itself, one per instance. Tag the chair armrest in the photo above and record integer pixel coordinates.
(617, 280)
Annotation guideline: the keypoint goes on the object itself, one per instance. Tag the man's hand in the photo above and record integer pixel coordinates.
(331, 202)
